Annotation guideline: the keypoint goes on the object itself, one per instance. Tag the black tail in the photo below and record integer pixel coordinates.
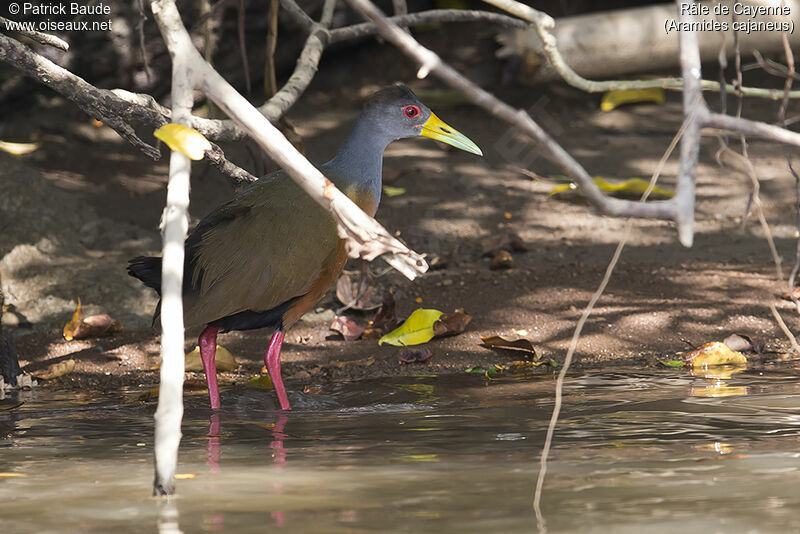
(148, 270)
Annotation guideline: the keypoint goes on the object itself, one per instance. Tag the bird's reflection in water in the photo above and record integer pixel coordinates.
(278, 453)
(212, 446)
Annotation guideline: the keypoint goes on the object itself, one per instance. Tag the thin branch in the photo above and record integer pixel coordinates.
(237, 176)
(328, 10)
(754, 128)
(544, 23)
(270, 82)
(39, 37)
(175, 225)
(433, 16)
(297, 13)
(240, 30)
(784, 328)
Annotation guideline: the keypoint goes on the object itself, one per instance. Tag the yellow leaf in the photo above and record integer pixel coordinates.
(613, 99)
(182, 139)
(72, 325)
(417, 329)
(715, 353)
(261, 382)
(394, 191)
(631, 186)
(12, 475)
(18, 149)
(223, 358)
(184, 476)
(55, 370)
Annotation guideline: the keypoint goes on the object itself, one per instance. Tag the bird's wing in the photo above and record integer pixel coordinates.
(259, 250)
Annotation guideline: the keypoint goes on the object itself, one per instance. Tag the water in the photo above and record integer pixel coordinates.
(635, 451)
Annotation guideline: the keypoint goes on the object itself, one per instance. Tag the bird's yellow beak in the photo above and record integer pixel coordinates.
(436, 129)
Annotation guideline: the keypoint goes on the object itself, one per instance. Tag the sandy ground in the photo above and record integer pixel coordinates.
(75, 210)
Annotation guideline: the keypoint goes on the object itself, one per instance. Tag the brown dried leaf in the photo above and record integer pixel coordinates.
(795, 291)
(357, 294)
(450, 324)
(97, 326)
(742, 343)
(55, 370)
(386, 316)
(501, 259)
(415, 356)
(513, 341)
(510, 242)
(223, 359)
(349, 329)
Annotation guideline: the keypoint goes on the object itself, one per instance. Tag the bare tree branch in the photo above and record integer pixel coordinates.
(544, 23)
(236, 175)
(175, 225)
(432, 16)
(39, 37)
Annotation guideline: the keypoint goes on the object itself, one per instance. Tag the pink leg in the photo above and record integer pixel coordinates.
(272, 358)
(208, 350)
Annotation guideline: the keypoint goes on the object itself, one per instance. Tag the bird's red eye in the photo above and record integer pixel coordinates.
(411, 111)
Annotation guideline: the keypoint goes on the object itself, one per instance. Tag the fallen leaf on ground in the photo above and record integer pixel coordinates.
(72, 325)
(349, 329)
(672, 363)
(512, 341)
(98, 326)
(312, 390)
(12, 475)
(633, 187)
(261, 382)
(742, 343)
(510, 241)
(184, 476)
(393, 191)
(18, 149)
(417, 329)
(714, 353)
(795, 291)
(415, 356)
(55, 370)
(385, 318)
(80, 327)
(183, 139)
(614, 99)
(480, 370)
(501, 259)
(450, 324)
(223, 359)
(357, 294)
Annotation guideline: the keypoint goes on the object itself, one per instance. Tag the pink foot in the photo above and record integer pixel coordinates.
(208, 350)
(272, 358)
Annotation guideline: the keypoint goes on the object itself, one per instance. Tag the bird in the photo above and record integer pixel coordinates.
(267, 256)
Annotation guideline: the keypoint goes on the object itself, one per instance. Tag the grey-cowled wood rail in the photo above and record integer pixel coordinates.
(269, 255)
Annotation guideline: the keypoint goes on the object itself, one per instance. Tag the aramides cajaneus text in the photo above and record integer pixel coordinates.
(269, 255)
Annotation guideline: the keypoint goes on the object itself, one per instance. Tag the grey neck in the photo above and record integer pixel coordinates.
(359, 160)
